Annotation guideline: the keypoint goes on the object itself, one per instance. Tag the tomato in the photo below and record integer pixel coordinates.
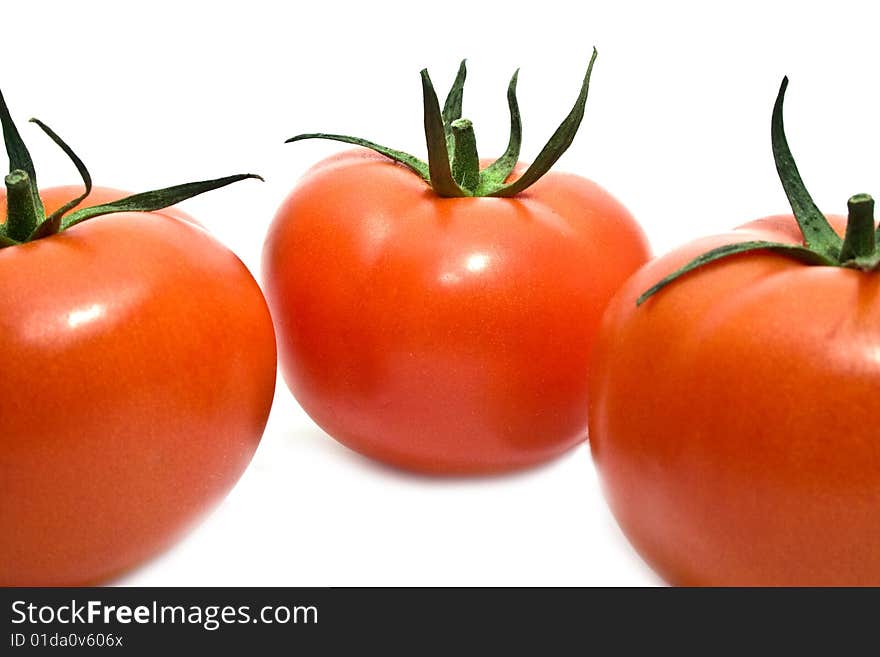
(138, 371)
(443, 335)
(138, 364)
(732, 416)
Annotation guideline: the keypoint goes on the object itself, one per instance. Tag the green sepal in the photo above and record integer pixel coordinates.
(412, 163)
(52, 224)
(26, 218)
(19, 156)
(822, 246)
(795, 251)
(556, 146)
(151, 201)
(443, 174)
(452, 106)
(818, 233)
(439, 167)
(495, 175)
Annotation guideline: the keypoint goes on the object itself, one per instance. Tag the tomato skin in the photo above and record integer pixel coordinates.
(443, 335)
(733, 417)
(138, 371)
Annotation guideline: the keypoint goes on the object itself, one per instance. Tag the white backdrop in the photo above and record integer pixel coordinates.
(677, 127)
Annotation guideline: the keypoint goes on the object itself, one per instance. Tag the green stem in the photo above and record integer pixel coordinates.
(465, 161)
(22, 215)
(859, 241)
(452, 106)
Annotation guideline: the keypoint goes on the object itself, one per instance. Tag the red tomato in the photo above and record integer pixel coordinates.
(138, 371)
(733, 417)
(445, 335)
(56, 197)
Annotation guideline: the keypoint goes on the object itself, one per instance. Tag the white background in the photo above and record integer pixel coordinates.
(677, 126)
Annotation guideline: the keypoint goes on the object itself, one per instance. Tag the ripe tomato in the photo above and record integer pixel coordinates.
(55, 197)
(435, 315)
(732, 413)
(138, 369)
(447, 335)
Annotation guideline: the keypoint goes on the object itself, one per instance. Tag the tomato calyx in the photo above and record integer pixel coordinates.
(26, 218)
(453, 168)
(821, 246)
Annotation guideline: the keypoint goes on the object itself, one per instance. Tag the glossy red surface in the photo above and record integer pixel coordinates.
(138, 363)
(443, 335)
(733, 417)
